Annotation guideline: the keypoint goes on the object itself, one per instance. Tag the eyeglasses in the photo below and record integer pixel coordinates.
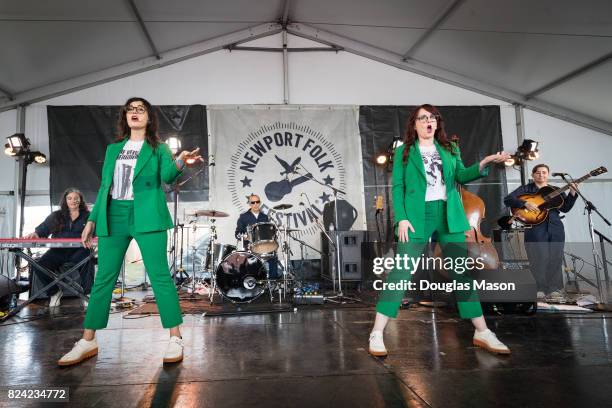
(426, 118)
(137, 109)
(255, 202)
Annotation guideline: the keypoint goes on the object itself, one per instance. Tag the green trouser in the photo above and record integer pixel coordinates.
(453, 246)
(111, 251)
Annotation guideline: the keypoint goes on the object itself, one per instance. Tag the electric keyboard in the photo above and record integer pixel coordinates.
(11, 243)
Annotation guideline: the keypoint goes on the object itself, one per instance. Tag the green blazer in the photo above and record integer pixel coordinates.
(410, 185)
(152, 168)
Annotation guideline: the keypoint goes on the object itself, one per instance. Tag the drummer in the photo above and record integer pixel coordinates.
(253, 216)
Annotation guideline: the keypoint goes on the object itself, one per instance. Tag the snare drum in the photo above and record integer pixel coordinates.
(263, 237)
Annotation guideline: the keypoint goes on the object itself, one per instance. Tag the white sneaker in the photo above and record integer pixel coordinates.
(82, 350)
(174, 352)
(377, 346)
(489, 341)
(55, 299)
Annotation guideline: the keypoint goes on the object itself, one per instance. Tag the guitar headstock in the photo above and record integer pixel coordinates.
(598, 171)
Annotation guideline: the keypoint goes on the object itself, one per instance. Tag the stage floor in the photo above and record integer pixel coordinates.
(318, 358)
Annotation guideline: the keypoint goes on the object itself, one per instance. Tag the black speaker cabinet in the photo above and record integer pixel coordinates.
(350, 256)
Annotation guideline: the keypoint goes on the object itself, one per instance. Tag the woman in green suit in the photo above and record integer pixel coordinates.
(132, 205)
(426, 169)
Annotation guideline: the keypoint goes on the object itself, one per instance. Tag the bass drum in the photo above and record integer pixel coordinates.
(220, 251)
(241, 277)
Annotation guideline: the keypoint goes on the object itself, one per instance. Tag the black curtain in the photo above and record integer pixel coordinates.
(479, 132)
(78, 136)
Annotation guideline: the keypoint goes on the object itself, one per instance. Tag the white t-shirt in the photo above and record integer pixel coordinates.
(436, 189)
(124, 170)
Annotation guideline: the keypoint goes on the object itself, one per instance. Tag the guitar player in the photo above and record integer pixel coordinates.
(544, 241)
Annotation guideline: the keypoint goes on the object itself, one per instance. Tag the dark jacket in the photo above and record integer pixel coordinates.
(69, 229)
(248, 218)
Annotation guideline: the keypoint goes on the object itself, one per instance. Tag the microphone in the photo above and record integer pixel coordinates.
(211, 160)
(561, 174)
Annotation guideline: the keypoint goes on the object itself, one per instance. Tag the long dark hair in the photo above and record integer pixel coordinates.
(123, 130)
(63, 214)
(411, 136)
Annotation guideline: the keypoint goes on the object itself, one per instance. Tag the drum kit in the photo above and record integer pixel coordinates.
(241, 274)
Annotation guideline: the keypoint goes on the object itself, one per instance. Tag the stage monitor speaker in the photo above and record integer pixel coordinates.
(514, 267)
(510, 245)
(350, 256)
(347, 214)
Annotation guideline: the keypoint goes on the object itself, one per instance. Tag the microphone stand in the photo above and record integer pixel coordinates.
(339, 296)
(598, 264)
(176, 189)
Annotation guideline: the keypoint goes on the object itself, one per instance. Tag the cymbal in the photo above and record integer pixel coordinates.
(210, 213)
(281, 207)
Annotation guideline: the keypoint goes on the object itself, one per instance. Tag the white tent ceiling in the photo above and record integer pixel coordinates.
(553, 56)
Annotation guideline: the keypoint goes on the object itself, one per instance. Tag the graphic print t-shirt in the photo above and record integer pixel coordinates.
(124, 171)
(436, 189)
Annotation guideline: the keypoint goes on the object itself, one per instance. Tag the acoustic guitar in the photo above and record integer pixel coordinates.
(546, 199)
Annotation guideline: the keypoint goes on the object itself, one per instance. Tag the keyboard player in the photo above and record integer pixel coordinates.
(67, 222)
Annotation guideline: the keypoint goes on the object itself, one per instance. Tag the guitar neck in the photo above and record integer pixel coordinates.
(560, 190)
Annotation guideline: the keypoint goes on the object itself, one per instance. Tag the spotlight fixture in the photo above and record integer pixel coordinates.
(8, 150)
(386, 157)
(174, 143)
(527, 151)
(39, 157)
(17, 144)
(382, 159)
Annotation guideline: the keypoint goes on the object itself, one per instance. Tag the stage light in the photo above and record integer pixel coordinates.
(39, 157)
(8, 150)
(174, 143)
(382, 159)
(527, 151)
(16, 145)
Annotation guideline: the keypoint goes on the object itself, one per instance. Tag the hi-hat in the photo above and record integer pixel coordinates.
(281, 207)
(210, 213)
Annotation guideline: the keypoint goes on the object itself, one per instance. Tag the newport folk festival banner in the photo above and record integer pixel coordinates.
(273, 151)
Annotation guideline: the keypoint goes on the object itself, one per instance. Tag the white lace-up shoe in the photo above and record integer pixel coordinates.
(377, 346)
(174, 352)
(489, 341)
(82, 350)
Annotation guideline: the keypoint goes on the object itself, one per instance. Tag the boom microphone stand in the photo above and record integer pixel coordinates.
(589, 207)
(339, 296)
(176, 189)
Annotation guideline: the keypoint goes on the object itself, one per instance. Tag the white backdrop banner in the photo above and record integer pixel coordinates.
(273, 151)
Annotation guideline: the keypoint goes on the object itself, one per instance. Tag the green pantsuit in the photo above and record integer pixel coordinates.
(146, 219)
(452, 246)
(409, 187)
(112, 249)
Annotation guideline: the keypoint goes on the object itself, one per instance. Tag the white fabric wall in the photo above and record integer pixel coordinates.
(314, 78)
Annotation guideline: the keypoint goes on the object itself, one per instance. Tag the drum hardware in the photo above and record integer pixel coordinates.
(176, 189)
(281, 207)
(209, 213)
(339, 296)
